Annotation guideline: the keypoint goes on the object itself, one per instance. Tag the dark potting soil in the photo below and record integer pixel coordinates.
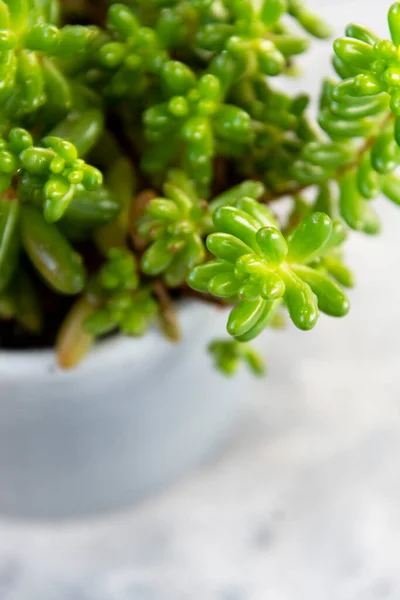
(53, 305)
(14, 337)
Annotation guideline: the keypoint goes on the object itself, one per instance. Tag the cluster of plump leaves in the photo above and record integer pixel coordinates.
(204, 28)
(121, 304)
(361, 117)
(183, 87)
(114, 300)
(29, 39)
(175, 226)
(257, 268)
(38, 186)
(282, 131)
(228, 355)
(237, 38)
(195, 119)
(50, 172)
(128, 50)
(190, 117)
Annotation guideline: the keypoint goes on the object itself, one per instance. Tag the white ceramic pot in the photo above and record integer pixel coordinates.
(131, 419)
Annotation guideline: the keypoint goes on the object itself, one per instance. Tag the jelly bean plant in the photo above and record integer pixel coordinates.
(144, 148)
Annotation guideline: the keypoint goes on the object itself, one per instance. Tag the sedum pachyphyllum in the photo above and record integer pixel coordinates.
(256, 267)
(143, 148)
(175, 227)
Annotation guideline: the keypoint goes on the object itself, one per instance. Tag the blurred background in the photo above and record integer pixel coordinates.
(304, 503)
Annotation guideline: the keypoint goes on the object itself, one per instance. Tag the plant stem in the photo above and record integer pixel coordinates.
(168, 315)
(137, 210)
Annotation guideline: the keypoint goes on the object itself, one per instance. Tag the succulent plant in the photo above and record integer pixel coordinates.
(257, 268)
(142, 153)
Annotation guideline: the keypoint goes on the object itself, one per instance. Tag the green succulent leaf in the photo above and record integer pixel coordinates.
(53, 257)
(199, 277)
(237, 223)
(309, 238)
(9, 238)
(394, 22)
(245, 316)
(331, 298)
(226, 246)
(272, 244)
(301, 301)
(391, 188)
(357, 213)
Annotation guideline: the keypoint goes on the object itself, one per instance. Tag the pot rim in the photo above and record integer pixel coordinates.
(36, 363)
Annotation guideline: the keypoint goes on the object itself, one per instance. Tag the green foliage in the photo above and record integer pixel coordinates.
(51, 172)
(256, 267)
(228, 355)
(29, 38)
(191, 118)
(360, 114)
(47, 179)
(175, 226)
(120, 303)
(51, 254)
(176, 105)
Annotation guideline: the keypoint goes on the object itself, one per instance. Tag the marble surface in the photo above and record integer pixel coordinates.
(305, 502)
